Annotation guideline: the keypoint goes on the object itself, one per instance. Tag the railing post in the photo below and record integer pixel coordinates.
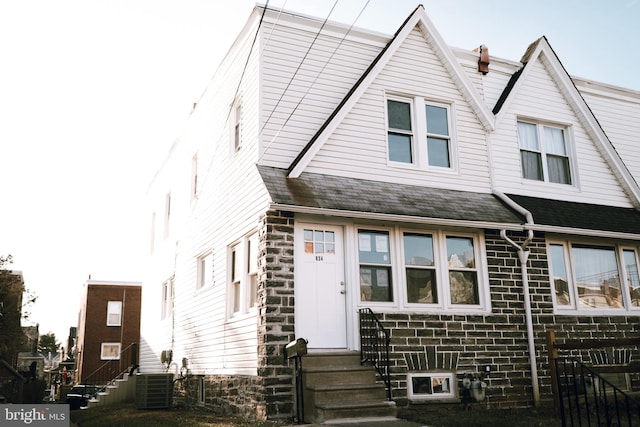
(552, 352)
(134, 354)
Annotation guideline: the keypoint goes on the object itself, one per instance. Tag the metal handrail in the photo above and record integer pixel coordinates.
(590, 398)
(111, 370)
(374, 345)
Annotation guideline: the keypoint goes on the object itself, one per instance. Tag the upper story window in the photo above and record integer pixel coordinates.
(236, 126)
(434, 270)
(588, 277)
(114, 313)
(543, 153)
(204, 270)
(400, 134)
(423, 139)
(438, 139)
(194, 177)
(167, 214)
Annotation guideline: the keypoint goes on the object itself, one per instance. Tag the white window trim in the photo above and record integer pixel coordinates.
(235, 122)
(111, 309)
(569, 147)
(194, 177)
(167, 299)
(201, 270)
(574, 308)
(110, 344)
(452, 394)
(398, 272)
(419, 133)
(244, 281)
(167, 214)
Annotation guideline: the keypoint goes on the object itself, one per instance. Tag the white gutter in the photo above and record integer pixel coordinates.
(523, 255)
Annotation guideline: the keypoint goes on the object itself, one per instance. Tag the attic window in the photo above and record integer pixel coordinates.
(543, 153)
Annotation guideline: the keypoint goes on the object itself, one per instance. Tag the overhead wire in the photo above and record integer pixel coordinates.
(310, 86)
(299, 66)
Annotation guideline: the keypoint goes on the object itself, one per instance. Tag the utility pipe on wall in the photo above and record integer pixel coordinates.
(523, 255)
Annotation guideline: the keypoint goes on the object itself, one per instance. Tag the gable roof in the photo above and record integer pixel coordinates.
(580, 107)
(548, 214)
(318, 193)
(417, 18)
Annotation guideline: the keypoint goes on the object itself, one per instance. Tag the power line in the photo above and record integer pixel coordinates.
(314, 80)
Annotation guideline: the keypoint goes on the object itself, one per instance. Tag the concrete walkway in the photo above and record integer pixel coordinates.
(368, 423)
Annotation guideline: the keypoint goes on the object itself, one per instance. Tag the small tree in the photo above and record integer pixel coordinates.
(47, 344)
(11, 289)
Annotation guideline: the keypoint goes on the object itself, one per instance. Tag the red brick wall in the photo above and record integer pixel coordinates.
(95, 327)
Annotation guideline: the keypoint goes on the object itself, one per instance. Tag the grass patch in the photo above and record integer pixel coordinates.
(458, 416)
(126, 415)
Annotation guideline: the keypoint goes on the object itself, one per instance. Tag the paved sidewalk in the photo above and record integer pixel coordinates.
(369, 423)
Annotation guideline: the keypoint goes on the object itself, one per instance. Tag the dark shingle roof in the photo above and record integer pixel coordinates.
(358, 195)
(586, 216)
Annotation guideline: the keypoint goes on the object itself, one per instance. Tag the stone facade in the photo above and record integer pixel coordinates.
(499, 339)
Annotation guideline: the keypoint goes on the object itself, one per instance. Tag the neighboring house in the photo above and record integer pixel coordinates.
(12, 338)
(108, 325)
(30, 362)
(472, 203)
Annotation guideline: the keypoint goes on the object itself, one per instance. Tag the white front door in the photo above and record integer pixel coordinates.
(320, 311)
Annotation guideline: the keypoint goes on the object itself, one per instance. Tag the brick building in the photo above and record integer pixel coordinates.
(108, 325)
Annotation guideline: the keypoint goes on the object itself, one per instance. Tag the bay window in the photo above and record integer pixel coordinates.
(587, 277)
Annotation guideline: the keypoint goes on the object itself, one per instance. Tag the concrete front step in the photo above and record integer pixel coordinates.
(338, 376)
(337, 387)
(343, 392)
(329, 412)
(342, 359)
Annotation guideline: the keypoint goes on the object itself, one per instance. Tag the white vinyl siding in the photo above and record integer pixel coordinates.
(619, 115)
(593, 178)
(304, 108)
(358, 146)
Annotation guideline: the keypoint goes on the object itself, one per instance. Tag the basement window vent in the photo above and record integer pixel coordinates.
(431, 386)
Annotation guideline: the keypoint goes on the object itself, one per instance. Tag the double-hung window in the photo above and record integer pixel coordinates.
(114, 313)
(438, 138)
(590, 277)
(544, 154)
(166, 310)
(375, 266)
(243, 277)
(423, 140)
(400, 134)
(435, 270)
(204, 270)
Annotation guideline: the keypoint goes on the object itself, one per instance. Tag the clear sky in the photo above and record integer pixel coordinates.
(93, 93)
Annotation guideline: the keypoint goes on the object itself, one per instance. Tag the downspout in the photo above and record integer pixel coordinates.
(523, 255)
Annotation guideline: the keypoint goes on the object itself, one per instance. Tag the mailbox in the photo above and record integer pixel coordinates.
(295, 348)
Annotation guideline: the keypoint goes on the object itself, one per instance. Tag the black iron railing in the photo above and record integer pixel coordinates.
(587, 399)
(374, 346)
(112, 370)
